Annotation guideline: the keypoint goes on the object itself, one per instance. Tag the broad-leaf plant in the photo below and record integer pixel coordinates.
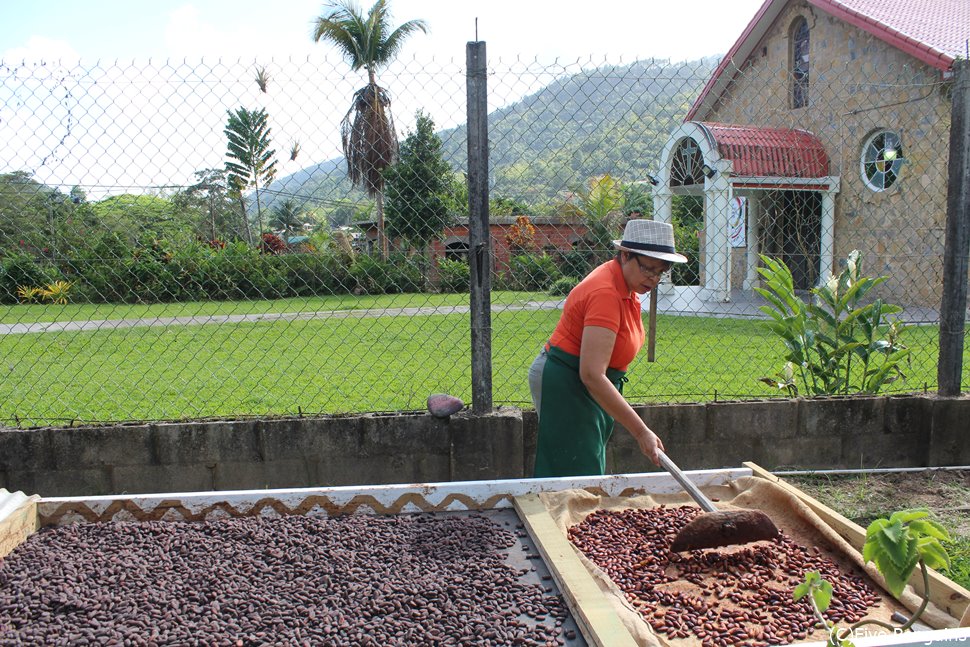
(896, 546)
(839, 341)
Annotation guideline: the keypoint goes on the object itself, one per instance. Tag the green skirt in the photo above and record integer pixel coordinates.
(573, 427)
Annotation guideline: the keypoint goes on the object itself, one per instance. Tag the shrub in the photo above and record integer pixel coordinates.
(27, 294)
(688, 219)
(22, 270)
(561, 287)
(453, 276)
(57, 292)
(99, 271)
(687, 242)
(240, 272)
(396, 275)
(577, 262)
(532, 272)
(271, 244)
(313, 274)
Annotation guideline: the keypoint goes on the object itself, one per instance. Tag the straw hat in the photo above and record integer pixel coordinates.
(650, 238)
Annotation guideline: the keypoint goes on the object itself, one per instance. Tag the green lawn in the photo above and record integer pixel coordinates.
(88, 312)
(341, 365)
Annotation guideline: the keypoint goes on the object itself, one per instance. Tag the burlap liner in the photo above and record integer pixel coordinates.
(794, 518)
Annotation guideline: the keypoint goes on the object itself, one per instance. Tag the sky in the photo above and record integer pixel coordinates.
(127, 95)
(620, 30)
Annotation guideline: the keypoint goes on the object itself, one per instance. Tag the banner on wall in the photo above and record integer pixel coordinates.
(738, 221)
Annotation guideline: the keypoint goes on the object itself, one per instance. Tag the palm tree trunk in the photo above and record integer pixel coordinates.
(212, 219)
(382, 241)
(381, 235)
(245, 218)
(259, 213)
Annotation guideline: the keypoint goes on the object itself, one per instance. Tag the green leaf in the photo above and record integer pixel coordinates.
(932, 553)
(929, 528)
(871, 546)
(822, 594)
(777, 302)
(894, 582)
(906, 516)
(897, 547)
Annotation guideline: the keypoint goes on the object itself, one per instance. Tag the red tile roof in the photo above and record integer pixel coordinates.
(933, 31)
(770, 152)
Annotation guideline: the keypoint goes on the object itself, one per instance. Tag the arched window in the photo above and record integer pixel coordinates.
(799, 63)
(686, 167)
(457, 251)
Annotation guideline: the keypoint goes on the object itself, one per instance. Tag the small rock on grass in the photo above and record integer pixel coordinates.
(442, 405)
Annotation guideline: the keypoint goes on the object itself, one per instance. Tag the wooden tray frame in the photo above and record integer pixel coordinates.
(593, 612)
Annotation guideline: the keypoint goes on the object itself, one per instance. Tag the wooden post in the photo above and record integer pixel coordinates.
(652, 326)
(479, 252)
(954, 304)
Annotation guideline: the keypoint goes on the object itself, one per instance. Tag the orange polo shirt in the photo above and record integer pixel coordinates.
(602, 299)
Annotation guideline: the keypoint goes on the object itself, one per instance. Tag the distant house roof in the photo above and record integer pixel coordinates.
(296, 240)
(498, 220)
(770, 152)
(932, 31)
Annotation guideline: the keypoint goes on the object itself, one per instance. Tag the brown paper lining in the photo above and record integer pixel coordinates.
(570, 507)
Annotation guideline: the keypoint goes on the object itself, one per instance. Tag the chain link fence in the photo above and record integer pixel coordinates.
(181, 239)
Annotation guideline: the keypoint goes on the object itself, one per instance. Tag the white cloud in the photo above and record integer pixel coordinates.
(189, 32)
(39, 48)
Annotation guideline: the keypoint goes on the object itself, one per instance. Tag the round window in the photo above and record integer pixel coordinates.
(882, 158)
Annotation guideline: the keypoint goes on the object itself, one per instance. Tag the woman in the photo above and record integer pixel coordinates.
(577, 379)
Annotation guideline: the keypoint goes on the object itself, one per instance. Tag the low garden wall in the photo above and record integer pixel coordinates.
(866, 432)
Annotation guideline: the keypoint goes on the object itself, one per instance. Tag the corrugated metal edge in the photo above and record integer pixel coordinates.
(18, 519)
(369, 499)
(11, 501)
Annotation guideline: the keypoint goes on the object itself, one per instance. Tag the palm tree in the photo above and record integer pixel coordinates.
(287, 216)
(367, 130)
(251, 160)
(601, 207)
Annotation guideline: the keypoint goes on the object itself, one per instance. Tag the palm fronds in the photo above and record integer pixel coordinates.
(368, 137)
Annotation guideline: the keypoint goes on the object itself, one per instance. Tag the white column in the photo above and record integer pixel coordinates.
(717, 250)
(826, 252)
(662, 211)
(662, 203)
(754, 229)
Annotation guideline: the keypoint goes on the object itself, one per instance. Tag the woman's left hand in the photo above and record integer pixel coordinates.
(649, 444)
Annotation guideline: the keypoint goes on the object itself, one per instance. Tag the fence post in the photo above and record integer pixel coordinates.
(954, 305)
(479, 252)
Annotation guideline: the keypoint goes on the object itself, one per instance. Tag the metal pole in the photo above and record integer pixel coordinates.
(953, 308)
(479, 253)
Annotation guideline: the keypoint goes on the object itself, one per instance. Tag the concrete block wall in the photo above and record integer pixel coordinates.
(825, 433)
(874, 432)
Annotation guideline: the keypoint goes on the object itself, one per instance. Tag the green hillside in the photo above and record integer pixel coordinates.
(611, 119)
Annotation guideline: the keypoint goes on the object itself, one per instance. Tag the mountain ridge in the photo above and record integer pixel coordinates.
(610, 119)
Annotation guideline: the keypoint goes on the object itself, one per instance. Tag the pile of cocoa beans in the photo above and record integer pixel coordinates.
(357, 580)
(717, 597)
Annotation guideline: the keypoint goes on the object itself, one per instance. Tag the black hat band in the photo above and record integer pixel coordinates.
(649, 247)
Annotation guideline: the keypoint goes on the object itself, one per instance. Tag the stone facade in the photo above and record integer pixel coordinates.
(858, 86)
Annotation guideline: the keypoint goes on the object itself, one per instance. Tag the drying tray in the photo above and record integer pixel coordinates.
(592, 612)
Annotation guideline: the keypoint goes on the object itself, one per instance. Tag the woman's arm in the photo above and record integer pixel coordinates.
(594, 358)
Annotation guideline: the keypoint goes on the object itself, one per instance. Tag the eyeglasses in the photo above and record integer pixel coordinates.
(649, 272)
